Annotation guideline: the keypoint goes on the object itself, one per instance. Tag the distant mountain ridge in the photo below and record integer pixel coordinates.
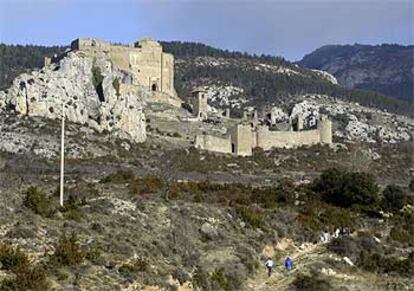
(387, 68)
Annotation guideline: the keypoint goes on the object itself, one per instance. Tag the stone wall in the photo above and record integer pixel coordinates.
(213, 143)
(267, 139)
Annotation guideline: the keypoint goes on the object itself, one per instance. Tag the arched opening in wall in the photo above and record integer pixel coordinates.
(233, 148)
(154, 87)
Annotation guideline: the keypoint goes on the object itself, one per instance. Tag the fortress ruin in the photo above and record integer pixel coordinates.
(150, 67)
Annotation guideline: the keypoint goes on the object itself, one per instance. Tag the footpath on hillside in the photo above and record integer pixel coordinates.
(280, 280)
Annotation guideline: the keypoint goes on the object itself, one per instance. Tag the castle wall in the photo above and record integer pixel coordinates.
(267, 139)
(213, 143)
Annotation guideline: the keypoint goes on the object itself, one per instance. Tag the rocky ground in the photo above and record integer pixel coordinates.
(136, 238)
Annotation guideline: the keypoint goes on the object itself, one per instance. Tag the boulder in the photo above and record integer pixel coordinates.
(86, 88)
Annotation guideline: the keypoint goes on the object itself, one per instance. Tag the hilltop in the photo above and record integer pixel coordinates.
(387, 68)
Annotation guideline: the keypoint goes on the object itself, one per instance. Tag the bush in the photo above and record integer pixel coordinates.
(393, 199)
(12, 258)
(38, 202)
(311, 283)
(116, 85)
(131, 270)
(377, 262)
(403, 230)
(251, 215)
(346, 189)
(146, 185)
(27, 278)
(67, 251)
(411, 185)
(121, 176)
(318, 216)
(228, 278)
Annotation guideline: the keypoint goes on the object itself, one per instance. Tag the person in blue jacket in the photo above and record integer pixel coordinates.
(288, 264)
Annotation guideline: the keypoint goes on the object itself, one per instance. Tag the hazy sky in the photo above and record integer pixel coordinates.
(286, 28)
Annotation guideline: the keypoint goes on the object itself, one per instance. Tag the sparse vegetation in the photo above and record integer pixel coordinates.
(38, 202)
(116, 85)
(12, 258)
(305, 282)
(67, 251)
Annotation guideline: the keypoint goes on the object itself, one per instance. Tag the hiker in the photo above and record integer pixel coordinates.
(336, 233)
(269, 266)
(288, 265)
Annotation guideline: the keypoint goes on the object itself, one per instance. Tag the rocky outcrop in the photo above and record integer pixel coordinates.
(87, 88)
(355, 122)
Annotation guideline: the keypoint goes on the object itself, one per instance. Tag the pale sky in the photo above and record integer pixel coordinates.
(286, 28)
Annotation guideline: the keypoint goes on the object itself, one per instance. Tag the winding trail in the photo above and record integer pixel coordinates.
(280, 280)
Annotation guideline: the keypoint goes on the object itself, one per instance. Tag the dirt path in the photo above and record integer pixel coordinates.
(280, 280)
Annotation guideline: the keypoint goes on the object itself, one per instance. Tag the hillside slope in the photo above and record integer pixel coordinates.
(387, 69)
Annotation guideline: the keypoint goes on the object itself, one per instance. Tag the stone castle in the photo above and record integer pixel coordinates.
(255, 133)
(154, 70)
(132, 75)
(145, 59)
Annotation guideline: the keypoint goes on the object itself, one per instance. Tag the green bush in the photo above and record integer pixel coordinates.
(27, 278)
(219, 276)
(146, 185)
(132, 270)
(121, 176)
(378, 263)
(38, 202)
(346, 189)
(12, 258)
(251, 215)
(67, 251)
(403, 229)
(116, 85)
(311, 283)
(411, 185)
(393, 199)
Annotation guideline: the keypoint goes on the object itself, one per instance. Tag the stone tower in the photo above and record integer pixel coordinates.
(241, 140)
(325, 129)
(199, 101)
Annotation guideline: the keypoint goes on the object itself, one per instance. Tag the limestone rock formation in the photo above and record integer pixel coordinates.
(355, 122)
(89, 90)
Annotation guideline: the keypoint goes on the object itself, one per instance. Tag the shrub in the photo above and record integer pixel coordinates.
(411, 185)
(27, 278)
(403, 230)
(346, 189)
(318, 216)
(72, 210)
(12, 258)
(377, 262)
(393, 199)
(97, 80)
(38, 202)
(221, 279)
(121, 176)
(311, 283)
(116, 85)
(251, 215)
(67, 251)
(146, 185)
(131, 270)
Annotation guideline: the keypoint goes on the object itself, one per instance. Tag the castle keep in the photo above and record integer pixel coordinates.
(150, 66)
